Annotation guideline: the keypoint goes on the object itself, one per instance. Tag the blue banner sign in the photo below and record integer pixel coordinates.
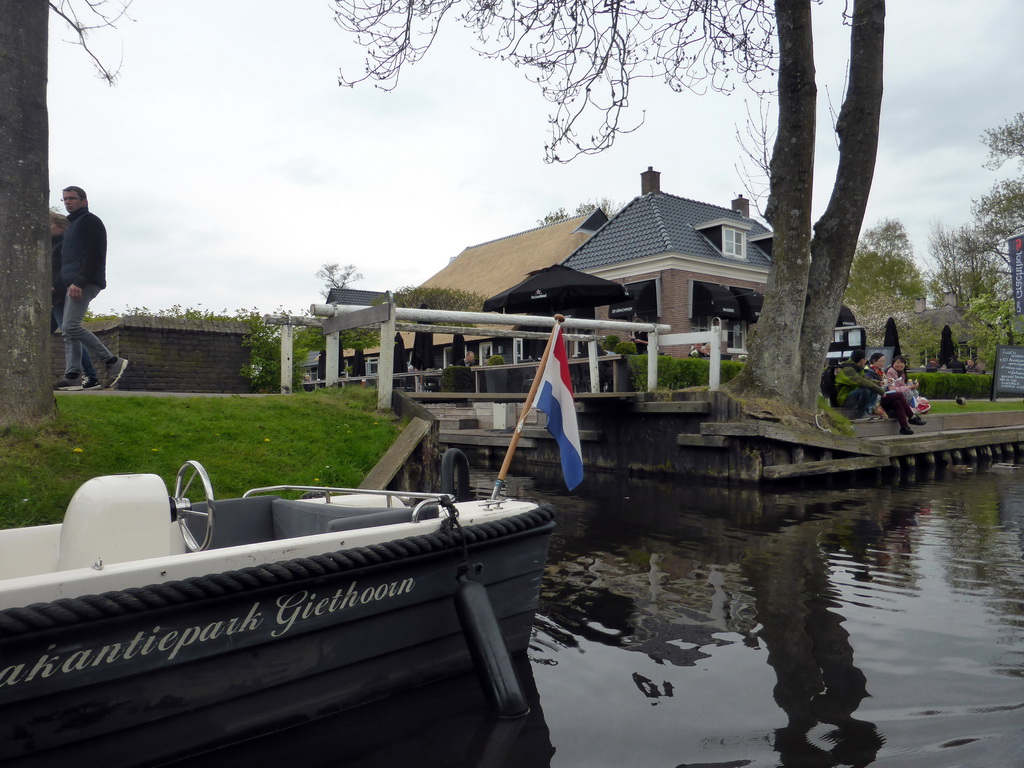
(1016, 244)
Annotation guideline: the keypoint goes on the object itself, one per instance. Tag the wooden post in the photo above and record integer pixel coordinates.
(286, 359)
(715, 371)
(595, 375)
(332, 341)
(386, 363)
(652, 361)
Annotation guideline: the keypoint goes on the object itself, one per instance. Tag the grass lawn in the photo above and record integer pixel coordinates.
(328, 437)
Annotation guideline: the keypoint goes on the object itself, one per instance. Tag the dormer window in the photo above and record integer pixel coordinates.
(733, 242)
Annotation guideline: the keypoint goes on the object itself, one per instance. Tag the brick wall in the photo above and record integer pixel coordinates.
(171, 354)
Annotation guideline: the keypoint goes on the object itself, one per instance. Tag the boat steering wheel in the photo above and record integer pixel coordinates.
(183, 506)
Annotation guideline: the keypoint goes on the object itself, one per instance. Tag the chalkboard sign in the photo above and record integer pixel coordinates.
(887, 351)
(1008, 373)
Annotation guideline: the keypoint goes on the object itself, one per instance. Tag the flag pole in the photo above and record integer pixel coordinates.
(500, 481)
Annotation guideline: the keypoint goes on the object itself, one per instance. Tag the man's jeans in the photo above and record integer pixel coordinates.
(76, 335)
(861, 398)
(87, 366)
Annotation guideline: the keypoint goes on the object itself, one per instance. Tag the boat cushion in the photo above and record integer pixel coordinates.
(303, 518)
(236, 521)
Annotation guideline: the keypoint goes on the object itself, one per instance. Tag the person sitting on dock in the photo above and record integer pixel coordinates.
(854, 389)
(893, 402)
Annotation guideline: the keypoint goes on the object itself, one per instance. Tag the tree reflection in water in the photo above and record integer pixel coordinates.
(675, 572)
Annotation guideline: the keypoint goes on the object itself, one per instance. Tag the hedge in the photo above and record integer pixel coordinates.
(679, 372)
(947, 386)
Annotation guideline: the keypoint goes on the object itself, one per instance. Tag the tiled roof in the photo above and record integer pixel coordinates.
(660, 223)
(353, 297)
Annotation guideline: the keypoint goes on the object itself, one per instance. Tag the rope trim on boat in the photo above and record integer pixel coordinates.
(68, 611)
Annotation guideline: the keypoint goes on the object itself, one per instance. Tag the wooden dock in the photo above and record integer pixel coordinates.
(702, 435)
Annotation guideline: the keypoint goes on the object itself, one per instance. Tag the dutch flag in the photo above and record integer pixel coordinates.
(555, 399)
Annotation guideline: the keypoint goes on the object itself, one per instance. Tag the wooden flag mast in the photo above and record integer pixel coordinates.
(500, 482)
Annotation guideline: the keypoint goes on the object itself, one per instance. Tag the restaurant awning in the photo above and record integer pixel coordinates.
(750, 303)
(642, 301)
(712, 300)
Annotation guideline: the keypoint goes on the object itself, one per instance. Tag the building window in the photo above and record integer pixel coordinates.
(734, 332)
(733, 242)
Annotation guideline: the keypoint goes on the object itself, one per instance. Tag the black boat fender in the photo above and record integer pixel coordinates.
(490, 656)
(454, 461)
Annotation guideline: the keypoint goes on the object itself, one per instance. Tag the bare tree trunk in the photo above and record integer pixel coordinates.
(808, 276)
(25, 393)
(775, 353)
(837, 231)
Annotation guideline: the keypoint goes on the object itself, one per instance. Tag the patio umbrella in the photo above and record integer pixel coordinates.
(458, 349)
(892, 337)
(358, 364)
(556, 288)
(423, 348)
(400, 365)
(946, 349)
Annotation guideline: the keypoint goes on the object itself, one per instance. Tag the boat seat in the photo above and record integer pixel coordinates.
(237, 521)
(304, 518)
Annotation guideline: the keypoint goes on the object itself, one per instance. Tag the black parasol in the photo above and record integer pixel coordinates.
(554, 289)
(423, 348)
(892, 337)
(400, 365)
(946, 349)
(458, 349)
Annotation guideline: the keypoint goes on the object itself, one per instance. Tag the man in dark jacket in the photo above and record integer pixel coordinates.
(83, 271)
(59, 291)
(853, 388)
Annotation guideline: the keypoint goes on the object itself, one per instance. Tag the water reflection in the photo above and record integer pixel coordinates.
(683, 625)
(837, 591)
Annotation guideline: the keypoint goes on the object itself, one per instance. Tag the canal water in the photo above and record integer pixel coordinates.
(685, 625)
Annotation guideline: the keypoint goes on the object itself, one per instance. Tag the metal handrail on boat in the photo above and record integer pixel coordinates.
(401, 497)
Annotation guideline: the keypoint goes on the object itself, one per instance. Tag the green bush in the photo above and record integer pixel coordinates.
(679, 372)
(946, 386)
(457, 378)
(496, 360)
(625, 348)
(610, 342)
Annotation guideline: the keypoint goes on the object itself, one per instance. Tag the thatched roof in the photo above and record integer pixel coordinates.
(490, 268)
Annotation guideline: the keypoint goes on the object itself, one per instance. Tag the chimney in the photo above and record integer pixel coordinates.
(742, 206)
(650, 181)
(920, 304)
(950, 299)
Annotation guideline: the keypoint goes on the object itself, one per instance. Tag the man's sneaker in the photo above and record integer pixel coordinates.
(115, 370)
(69, 384)
(91, 382)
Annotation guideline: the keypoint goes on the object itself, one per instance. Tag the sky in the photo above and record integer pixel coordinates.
(228, 165)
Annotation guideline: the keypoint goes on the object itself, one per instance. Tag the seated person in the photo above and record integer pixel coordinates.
(899, 382)
(955, 365)
(933, 366)
(892, 402)
(854, 389)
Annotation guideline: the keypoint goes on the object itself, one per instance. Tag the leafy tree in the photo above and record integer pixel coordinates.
(336, 276)
(991, 321)
(449, 299)
(606, 204)
(962, 264)
(884, 272)
(584, 57)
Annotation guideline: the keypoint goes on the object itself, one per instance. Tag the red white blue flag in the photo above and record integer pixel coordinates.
(555, 399)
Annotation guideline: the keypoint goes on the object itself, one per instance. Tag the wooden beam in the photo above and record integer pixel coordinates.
(357, 319)
(783, 434)
(811, 468)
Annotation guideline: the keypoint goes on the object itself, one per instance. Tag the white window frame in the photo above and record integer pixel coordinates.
(734, 242)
